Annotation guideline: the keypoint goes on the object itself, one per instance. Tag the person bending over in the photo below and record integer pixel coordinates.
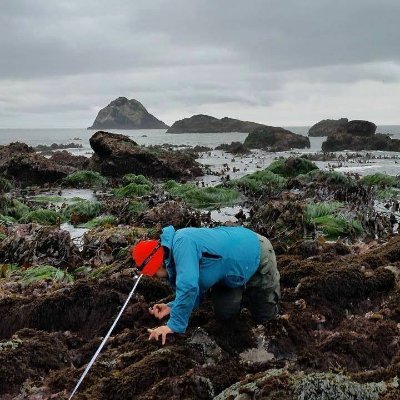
(233, 263)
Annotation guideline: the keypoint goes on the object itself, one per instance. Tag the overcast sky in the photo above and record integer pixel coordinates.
(288, 62)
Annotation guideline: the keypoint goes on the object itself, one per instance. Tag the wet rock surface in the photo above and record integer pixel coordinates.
(273, 138)
(18, 161)
(117, 155)
(33, 244)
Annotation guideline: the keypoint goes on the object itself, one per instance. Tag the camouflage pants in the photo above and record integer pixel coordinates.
(261, 294)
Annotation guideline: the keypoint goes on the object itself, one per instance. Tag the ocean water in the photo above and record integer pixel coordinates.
(385, 162)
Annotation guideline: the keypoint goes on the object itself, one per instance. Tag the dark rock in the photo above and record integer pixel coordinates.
(275, 139)
(35, 169)
(172, 212)
(346, 141)
(234, 148)
(39, 245)
(19, 161)
(55, 146)
(68, 159)
(327, 127)
(126, 114)
(117, 155)
(207, 124)
(360, 128)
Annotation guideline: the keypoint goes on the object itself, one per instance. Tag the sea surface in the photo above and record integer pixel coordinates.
(385, 162)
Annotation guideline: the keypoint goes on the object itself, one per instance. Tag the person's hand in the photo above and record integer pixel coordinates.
(160, 310)
(162, 331)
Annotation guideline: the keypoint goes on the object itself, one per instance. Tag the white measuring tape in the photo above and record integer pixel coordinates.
(105, 338)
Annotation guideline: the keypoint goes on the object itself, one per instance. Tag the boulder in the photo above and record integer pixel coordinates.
(234, 148)
(126, 114)
(327, 127)
(66, 158)
(20, 162)
(117, 155)
(346, 141)
(33, 244)
(360, 128)
(273, 138)
(207, 124)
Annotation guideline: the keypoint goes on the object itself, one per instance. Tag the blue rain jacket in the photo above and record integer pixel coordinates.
(201, 257)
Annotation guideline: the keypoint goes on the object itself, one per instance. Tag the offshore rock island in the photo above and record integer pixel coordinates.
(207, 124)
(126, 114)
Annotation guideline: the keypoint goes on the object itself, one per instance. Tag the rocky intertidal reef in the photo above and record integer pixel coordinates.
(337, 336)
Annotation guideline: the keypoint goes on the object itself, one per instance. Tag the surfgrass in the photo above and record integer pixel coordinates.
(208, 197)
(82, 211)
(43, 217)
(380, 180)
(259, 182)
(291, 167)
(103, 220)
(84, 178)
(42, 273)
(317, 210)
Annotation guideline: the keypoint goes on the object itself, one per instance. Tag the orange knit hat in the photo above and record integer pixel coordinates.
(148, 256)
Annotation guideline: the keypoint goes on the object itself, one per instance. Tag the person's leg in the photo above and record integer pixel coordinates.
(263, 289)
(226, 301)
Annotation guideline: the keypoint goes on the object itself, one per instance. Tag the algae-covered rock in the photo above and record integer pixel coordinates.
(117, 155)
(35, 244)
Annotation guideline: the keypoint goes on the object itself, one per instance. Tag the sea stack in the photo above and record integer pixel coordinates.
(126, 114)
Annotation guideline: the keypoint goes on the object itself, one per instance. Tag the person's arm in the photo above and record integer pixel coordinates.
(186, 257)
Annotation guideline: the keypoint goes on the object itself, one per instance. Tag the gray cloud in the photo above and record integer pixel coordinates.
(179, 57)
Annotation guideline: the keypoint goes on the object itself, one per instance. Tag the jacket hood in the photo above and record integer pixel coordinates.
(167, 237)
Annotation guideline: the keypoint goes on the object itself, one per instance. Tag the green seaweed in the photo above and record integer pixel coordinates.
(13, 208)
(5, 185)
(43, 217)
(208, 197)
(132, 190)
(84, 178)
(82, 211)
(316, 210)
(259, 182)
(53, 199)
(102, 220)
(291, 167)
(338, 226)
(138, 179)
(380, 180)
(388, 194)
(44, 272)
